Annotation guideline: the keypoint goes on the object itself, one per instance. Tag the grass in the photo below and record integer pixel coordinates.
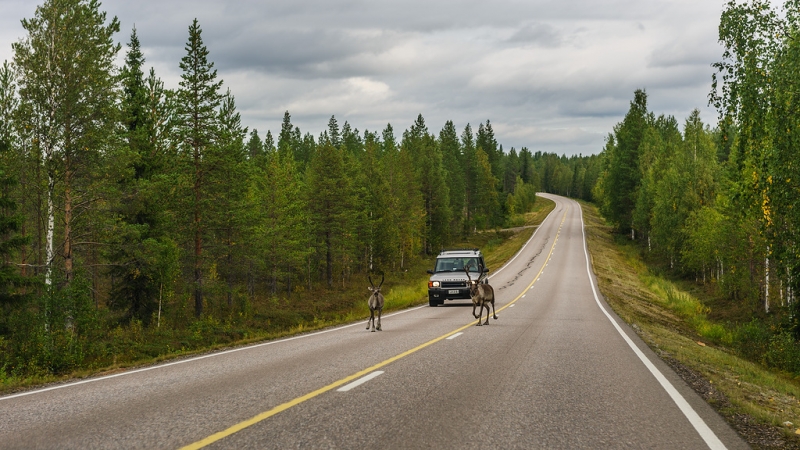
(760, 403)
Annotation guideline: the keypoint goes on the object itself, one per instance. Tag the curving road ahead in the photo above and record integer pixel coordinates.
(558, 369)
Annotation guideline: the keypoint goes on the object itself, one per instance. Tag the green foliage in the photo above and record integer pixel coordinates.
(622, 175)
(13, 285)
(196, 129)
(68, 110)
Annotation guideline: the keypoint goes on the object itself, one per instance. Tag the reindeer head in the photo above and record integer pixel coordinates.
(372, 288)
(473, 285)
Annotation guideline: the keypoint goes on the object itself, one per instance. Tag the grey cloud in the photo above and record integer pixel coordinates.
(538, 33)
(551, 75)
(685, 53)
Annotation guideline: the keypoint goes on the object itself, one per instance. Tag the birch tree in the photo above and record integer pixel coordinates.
(67, 83)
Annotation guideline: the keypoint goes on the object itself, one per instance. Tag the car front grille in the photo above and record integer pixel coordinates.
(454, 284)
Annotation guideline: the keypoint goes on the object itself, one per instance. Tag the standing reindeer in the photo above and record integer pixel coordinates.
(375, 303)
(482, 295)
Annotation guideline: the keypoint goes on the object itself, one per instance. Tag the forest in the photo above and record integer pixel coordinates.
(719, 206)
(131, 211)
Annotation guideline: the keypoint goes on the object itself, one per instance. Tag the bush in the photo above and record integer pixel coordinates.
(752, 339)
(783, 353)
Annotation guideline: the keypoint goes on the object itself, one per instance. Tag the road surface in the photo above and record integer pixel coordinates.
(557, 370)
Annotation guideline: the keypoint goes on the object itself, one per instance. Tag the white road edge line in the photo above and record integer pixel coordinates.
(455, 335)
(697, 422)
(360, 381)
(196, 358)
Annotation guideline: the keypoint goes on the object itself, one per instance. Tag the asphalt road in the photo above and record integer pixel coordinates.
(558, 369)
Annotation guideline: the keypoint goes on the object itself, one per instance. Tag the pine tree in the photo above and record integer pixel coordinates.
(255, 148)
(328, 194)
(453, 164)
(228, 213)
(199, 99)
(430, 176)
(282, 231)
(269, 145)
(470, 177)
(351, 141)
(485, 140)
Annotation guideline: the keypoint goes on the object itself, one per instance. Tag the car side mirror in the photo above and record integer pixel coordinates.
(485, 270)
(430, 271)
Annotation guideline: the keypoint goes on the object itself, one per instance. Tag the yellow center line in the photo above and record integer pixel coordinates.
(284, 406)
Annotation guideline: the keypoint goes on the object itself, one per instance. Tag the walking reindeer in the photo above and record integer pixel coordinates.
(482, 295)
(375, 303)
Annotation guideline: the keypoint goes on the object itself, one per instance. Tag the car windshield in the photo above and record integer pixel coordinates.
(456, 264)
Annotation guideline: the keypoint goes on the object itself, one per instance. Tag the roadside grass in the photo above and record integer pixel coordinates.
(269, 318)
(755, 400)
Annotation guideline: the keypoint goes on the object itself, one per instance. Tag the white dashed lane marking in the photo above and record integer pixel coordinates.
(360, 381)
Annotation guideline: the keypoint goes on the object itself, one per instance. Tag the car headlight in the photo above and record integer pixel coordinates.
(433, 284)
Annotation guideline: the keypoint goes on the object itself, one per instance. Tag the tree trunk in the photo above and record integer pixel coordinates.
(328, 259)
(766, 282)
(198, 245)
(230, 270)
(51, 221)
(68, 263)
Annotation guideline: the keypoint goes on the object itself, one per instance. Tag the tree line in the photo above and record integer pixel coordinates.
(123, 199)
(720, 205)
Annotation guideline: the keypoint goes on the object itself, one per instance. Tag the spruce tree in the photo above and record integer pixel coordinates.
(12, 282)
(286, 142)
(137, 240)
(622, 170)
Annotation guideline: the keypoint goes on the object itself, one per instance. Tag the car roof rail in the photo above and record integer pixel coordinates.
(460, 250)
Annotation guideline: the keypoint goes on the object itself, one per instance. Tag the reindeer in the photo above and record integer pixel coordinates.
(375, 303)
(482, 295)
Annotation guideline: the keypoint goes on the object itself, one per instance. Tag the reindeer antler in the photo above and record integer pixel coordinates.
(373, 284)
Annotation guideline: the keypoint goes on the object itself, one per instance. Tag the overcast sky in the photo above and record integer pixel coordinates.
(553, 75)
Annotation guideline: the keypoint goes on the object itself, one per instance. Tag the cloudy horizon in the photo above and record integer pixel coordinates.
(552, 76)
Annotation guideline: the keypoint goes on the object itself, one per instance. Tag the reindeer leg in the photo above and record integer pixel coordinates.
(493, 313)
(480, 314)
(473, 309)
(370, 318)
(487, 313)
(379, 319)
